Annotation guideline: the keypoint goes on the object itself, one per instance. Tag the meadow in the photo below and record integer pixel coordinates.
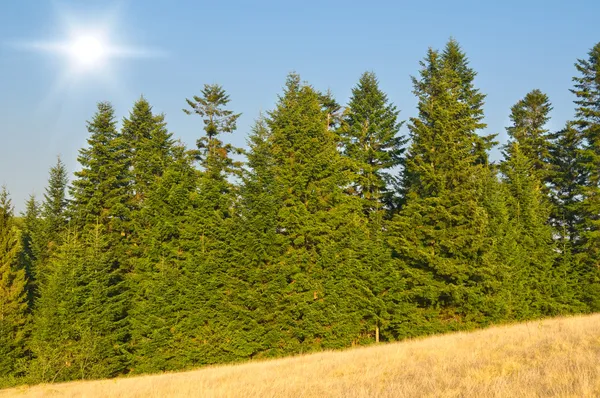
(550, 358)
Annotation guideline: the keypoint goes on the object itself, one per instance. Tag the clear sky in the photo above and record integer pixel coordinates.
(250, 46)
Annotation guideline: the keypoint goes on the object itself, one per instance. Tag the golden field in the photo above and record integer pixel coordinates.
(551, 358)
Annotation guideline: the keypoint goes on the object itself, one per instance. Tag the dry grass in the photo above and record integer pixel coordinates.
(552, 358)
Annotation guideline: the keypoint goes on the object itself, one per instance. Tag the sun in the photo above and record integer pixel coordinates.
(88, 52)
(88, 47)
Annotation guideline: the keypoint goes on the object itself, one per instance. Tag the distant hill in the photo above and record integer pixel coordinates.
(556, 357)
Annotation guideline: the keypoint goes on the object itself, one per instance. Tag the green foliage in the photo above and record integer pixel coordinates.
(101, 189)
(541, 283)
(150, 145)
(442, 234)
(13, 295)
(208, 316)
(78, 327)
(587, 116)
(529, 117)
(53, 220)
(156, 280)
(30, 236)
(370, 137)
(566, 181)
(331, 235)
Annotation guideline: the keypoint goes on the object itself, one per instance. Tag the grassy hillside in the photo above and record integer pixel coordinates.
(558, 357)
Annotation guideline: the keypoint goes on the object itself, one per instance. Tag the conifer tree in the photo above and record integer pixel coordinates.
(442, 233)
(566, 181)
(587, 116)
(79, 330)
(156, 206)
(256, 248)
(55, 200)
(13, 295)
(537, 288)
(371, 141)
(30, 236)
(208, 234)
(157, 280)
(370, 138)
(316, 286)
(454, 59)
(53, 214)
(150, 145)
(101, 192)
(529, 117)
(543, 281)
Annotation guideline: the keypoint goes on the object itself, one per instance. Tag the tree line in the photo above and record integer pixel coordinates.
(336, 230)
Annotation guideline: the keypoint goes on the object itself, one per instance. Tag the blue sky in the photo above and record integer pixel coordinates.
(250, 47)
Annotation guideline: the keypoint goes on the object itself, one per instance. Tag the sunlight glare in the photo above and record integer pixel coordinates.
(88, 51)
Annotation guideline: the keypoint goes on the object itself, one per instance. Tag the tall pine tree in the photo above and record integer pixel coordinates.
(587, 121)
(370, 135)
(79, 330)
(442, 234)
(13, 295)
(529, 117)
(101, 191)
(209, 285)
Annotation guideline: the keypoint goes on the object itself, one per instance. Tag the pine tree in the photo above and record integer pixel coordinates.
(101, 192)
(30, 247)
(150, 145)
(529, 117)
(587, 116)
(539, 278)
(13, 296)
(456, 60)
(371, 141)
(537, 287)
(255, 251)
(370, 138)
(217, 120)
(55, 200)
(566, 181)
(310, 277)
(54, 218)
(79, 330)
(208, 234)
(442, 234)
(158, 300)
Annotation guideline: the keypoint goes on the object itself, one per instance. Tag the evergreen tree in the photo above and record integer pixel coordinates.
(256, 250)
(210, 106)
(157, 280)
(30, 235)
(159, 182)
(79, 322)
(207, 236)
(525, 169)
(315, 284)
(566, 181)
(54, 218)
(454, 59)
(537, 287)
(13, 296)
(150, 145)
(371, 140)
(101, 192)
(55, 200)
(442, 235)
(587, 121)
(529, 117)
